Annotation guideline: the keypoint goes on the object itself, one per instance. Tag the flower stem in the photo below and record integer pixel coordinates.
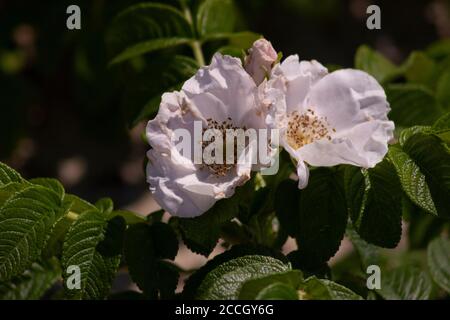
(195, 45)
(198, 53)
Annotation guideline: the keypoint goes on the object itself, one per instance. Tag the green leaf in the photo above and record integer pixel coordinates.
(356, 191)
(81, 248)
(55, 242)
(215, 16)
(252, 289)
(140, 256)
(412, 179)
(322, 289)
(112, 243)
(368, 253)
(422, 228)
(78, 205)
(143, 95)
(232, 51)
(145, 246)
(145, 22)
(375, 200)
(8, 175)
(443, 123)
(407, 133)
(412, 104)
(239, 40)
(8, 190)
(375, 64)
(147, 47)
(155, 216)
(433, 158)
(33, 283)
(130, 217)
(277, 291)
(201, 233)
(439, 262)
(405, 283)
(287, 203)
(51, 184)
(443, 90)
(240, 250)
(26, 220)
(420, 69)
(105, 205)
(322, 217)
(166, 239)
(225, 281)
(439, 49)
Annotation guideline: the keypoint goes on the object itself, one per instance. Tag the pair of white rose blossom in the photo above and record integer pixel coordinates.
(324, 119)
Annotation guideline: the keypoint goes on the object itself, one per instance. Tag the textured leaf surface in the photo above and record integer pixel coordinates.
(323, 217)
(443, 123)
(225, 281)
(405, 283)
(26, 220)
(439, 262)
(8, 190)
(412, 179)
(322, 289)
(78, 205)
(252, 289)
(374, 197)
(240, 250)
(51, 184)
(433, 158)
(81, 249)
(144, 22)
(277, 291)
(8, 175)
(33, 283)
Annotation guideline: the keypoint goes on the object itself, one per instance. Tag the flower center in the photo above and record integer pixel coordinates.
(306, 128)
(221, 169)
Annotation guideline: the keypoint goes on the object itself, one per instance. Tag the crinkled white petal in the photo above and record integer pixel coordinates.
(302, 174)
(175, 112)
(220, 91)
(224, 89)
(295, 78)
(183, 190)
(355, 105)
(287, 89)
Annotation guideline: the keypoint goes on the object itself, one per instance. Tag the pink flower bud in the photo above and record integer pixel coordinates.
(260, 60)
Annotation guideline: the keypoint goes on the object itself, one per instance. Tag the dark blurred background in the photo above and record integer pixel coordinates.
(62, 109)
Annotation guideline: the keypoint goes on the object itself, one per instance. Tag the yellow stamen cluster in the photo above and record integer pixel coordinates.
(305, 128)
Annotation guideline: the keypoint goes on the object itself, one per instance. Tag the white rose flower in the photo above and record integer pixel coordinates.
(218, 95)
(260, 59)
(328, 119)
